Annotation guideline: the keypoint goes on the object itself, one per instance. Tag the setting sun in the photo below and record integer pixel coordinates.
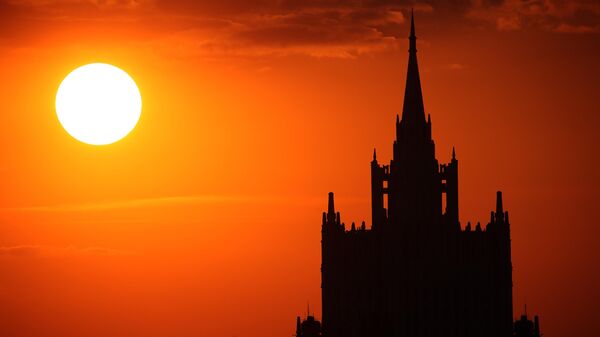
(98, 104)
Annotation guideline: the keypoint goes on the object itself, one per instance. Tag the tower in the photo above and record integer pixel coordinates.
(415, 272)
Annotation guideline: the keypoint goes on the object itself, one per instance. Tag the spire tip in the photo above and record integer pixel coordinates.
(412, 22)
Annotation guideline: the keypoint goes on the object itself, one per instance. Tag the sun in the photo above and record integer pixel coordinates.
(98, 104)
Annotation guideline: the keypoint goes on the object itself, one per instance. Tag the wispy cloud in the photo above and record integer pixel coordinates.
(42, 251)
(455, 66)
(581, 29)
(167, 201)
(133, 203)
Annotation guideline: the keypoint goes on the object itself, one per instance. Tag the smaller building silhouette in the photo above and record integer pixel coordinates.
(309, 327)
(524, 327)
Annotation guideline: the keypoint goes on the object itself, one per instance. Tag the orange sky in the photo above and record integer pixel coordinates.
(205, 220)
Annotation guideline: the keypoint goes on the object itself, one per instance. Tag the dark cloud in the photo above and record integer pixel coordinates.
(549, 15)
(317, 27)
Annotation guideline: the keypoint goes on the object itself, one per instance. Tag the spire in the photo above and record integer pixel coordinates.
(413, 111)
(453, 154)
(375, 155)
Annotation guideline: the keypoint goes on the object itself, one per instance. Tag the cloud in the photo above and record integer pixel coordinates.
(41, 251)
(506, 24)
(455, 66)
(319, 28)
(76, 6)
(232, 27)
(131, 203)
(567, 28)
(316, 29)
(549, 15)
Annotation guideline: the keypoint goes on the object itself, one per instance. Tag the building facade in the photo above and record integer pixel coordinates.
(416, 272)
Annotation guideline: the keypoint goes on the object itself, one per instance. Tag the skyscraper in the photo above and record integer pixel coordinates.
(416, 272)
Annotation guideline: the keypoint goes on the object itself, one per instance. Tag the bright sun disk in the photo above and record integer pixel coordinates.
(98, 104)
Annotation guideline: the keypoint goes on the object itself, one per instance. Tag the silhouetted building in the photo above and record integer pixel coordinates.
(524, 327)
(309, 327)
(415, 272)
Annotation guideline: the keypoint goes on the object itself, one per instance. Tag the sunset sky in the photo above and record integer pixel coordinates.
(205, 219)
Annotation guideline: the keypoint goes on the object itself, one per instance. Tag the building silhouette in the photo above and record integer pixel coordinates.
(415, 272)
(308, 327)
(524, 327)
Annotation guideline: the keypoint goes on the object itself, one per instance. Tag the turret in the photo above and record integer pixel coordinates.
(500, 231)
(450, 175)
(499, 208)
(331, 234)
(428, 126)
(377, 179)
(330, 208)
(331, 218)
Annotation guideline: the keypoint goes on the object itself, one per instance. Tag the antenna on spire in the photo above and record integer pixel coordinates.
(307, 308)
(413, 37)
(412, 22)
